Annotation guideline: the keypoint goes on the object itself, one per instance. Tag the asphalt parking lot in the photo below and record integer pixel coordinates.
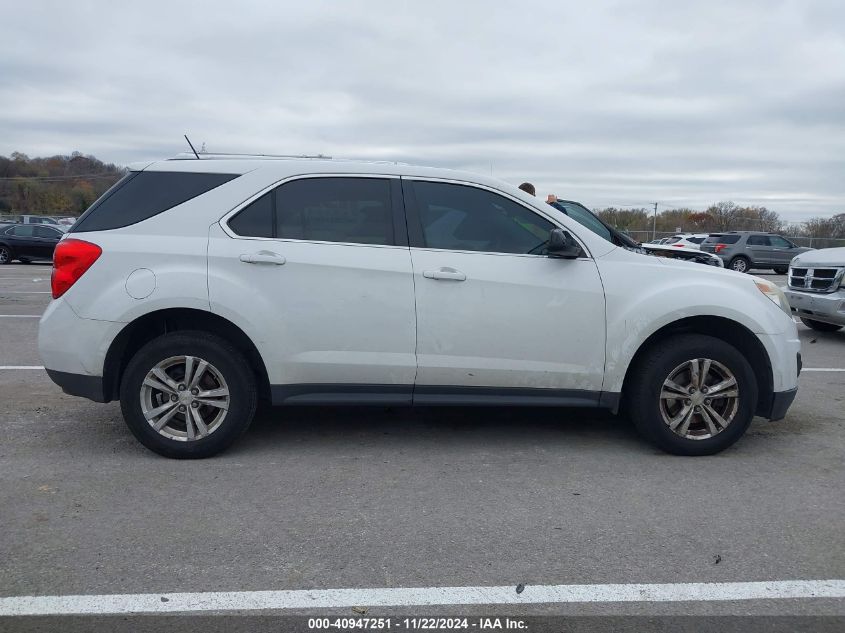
(317, 498)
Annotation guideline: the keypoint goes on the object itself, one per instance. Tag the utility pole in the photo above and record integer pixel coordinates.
(654, 226)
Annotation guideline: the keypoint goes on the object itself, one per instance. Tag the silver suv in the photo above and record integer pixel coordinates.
(744, 250)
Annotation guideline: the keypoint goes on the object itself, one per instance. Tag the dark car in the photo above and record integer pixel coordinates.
(26, 242)
(744, 250)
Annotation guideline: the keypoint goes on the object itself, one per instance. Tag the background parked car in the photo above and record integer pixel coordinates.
(744, 250)
(687, 254)
(686, 240)
(816, 290)
(26, 242)
(29, 219)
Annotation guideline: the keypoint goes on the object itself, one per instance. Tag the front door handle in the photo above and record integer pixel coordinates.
(263, 257)
(449, 274)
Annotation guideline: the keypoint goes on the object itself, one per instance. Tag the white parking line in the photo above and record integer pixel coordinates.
(420, 596)
(20, 316)
(21, 366)
(24, 292)
(821, 369)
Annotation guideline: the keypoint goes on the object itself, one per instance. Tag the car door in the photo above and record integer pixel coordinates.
(46, 238)
(318, 271)
(782, 250)
(497, 318)
(759, 249)
(24, 241)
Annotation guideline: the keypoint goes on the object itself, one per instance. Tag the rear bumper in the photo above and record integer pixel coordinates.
(91, 387)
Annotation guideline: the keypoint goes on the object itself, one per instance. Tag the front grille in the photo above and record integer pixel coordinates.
(825, 279)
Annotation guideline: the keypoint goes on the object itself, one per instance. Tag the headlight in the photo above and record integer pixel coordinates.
(774, 293)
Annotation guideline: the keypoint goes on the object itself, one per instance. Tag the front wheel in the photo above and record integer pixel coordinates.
(820, 326)
(188, 395)
(692, 394)
(5, 255)
(740, 264)
(781, 270)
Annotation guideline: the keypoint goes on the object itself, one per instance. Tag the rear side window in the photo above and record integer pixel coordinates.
(255, 219)
(758, 240)
(142, 195)
(696, 240)
(332, 209)
(353, 210)
(24, 230)
(722, 239)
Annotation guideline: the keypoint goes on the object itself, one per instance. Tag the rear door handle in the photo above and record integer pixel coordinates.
(449, 274)
(263, 257)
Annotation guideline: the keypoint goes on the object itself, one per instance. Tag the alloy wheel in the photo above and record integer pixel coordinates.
(184, 398)
(699, 399)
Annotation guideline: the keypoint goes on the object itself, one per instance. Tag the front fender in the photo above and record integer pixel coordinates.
(645, 294)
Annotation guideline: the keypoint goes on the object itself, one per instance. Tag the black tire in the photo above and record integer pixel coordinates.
(24, 260)
(740, 264)
(782, 270)
(820, 326)
(230, 364)
(6, 255)
(642, 395)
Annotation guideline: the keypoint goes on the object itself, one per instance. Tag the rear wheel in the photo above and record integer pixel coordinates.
(188, 395)
(5, 255)
(781, 270)
(820, 326)
(692, 394)
(740, 264)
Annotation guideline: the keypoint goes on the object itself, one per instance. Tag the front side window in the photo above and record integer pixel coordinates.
(463, 218)
(45, 231)
(779, 242)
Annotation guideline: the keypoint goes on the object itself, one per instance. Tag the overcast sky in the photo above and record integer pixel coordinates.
(610, 103)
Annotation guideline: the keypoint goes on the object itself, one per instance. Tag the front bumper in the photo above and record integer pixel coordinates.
(781, 401)
(829, 308)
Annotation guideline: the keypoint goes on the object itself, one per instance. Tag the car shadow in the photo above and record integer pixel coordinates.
(470, 427)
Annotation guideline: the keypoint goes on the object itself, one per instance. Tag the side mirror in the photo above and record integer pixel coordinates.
(562, 245)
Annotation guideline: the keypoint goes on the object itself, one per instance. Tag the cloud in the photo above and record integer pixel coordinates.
(606, 102)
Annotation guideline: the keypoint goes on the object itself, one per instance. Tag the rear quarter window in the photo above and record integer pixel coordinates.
(142, 195)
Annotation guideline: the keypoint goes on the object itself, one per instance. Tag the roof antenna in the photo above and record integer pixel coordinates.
(192, 146)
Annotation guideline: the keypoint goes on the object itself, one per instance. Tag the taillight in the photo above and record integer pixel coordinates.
(719, 247)
(70, 261)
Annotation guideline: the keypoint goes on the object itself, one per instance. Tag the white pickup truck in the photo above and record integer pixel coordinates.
(816, 289)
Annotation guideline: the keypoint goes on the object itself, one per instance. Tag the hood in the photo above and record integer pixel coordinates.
(821, 257)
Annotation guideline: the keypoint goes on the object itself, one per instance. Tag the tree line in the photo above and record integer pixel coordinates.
(719, 217)
(56, 185)
(69, 184)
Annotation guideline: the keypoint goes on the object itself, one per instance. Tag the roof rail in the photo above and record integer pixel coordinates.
(225, 155)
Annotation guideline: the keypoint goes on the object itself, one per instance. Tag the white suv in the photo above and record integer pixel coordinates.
(194, 288)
